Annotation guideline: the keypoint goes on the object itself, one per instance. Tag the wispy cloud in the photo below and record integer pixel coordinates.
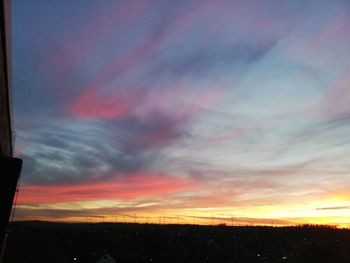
(334, 208)
(128, 186)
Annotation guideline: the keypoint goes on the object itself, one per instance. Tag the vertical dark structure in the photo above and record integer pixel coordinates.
(10, 167)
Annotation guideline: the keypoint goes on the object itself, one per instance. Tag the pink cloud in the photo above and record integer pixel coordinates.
(97, 103)
(131, 186)
(324, 47)
(336, 29)
(160, 135)
(336, 102)
(132, 58)
(76, 48)
(209, 97)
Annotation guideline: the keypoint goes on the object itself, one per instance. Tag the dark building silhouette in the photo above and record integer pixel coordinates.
(9, 167)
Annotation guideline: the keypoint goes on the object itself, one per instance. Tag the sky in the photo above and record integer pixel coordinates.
(202, 110)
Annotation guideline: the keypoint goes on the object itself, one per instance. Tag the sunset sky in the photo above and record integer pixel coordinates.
(183, 109)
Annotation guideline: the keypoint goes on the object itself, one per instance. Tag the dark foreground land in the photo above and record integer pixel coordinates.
(57, 242)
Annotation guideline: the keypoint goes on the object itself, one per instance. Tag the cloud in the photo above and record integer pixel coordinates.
(212, 58)
(242, 220)
(333, 208)
(74, 70)
(336, 103)
(60, 155)
(129, 186)
(320, 41)
(116, 101)
(106, 22)
(100, 104)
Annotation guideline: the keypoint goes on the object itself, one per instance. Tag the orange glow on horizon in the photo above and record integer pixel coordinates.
(246, 217)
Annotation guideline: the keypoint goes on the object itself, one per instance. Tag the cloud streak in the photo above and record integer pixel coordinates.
(125, 187)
